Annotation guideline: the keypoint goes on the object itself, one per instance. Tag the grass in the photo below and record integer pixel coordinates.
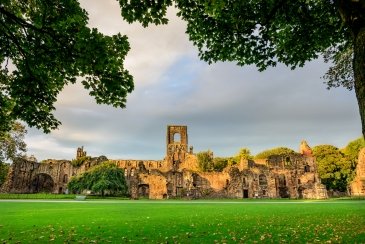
(50, 196)
(36, 196)
(224, 221)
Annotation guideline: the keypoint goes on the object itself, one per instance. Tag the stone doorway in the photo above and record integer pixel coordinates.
(245, 193)
(144, 190)
(283, 192)
(42, 183)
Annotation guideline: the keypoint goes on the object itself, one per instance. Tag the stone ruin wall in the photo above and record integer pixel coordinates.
(281, 176)
(357, 186)
(31, 177)
(178, 175)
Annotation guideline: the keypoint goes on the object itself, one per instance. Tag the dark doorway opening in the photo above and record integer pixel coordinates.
(283, 192)
(42, 183)
(245, 193)
(144, 190)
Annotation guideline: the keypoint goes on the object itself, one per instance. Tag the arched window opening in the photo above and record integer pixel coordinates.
(177, 137)
(244, 181)
(262, 180)
(65, 178)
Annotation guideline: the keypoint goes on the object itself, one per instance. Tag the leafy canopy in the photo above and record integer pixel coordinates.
(353, 148)
(46, 45)
(12, 143)
(250, 32)
(79, 161)
(334, 168)
(274, 151)
(4, 169)
(103, 178)
(208, 163)
(267, 32)
(205, 161)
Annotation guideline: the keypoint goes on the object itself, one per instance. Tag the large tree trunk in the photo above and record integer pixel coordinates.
(359, 72)
(352, 13)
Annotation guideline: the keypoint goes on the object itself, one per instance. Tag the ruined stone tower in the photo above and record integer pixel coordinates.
(304, 149)
(176, 144)
(80, 152)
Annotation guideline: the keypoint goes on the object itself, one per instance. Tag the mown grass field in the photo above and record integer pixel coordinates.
(221, 221)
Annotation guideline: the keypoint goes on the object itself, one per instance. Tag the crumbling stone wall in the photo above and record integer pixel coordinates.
(26, 176)
(177, 175)
(357, 186)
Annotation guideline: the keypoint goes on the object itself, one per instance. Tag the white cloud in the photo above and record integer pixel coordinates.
(153, 49)
(39, 144)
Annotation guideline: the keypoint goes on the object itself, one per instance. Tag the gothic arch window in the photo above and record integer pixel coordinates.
(65, 178)
(287, 161)
(262, 180)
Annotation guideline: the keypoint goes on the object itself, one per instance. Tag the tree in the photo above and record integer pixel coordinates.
(274, 151)
(334, 168)
(265, 33)
(220, 163)
(353, 148)
(106, 177)
(205, 161)
(12, 143)
(244, 153)
(45, 45)
(351, 151)
(4, 169)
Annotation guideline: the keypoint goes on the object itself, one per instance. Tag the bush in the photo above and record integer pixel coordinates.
(205, 161)
(79, 161)
(103, 178)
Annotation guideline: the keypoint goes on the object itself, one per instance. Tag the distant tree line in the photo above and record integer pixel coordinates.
(208, 163)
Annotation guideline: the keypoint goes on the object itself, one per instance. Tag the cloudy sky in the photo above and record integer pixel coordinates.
(226, 107)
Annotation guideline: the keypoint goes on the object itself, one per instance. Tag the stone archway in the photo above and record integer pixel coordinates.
(42, 183)
(144, 190)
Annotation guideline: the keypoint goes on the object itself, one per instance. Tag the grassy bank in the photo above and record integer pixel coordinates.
(183, 221)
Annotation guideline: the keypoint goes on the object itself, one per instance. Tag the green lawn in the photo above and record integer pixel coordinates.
(102, 221)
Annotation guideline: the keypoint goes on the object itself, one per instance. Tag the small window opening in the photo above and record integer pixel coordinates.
(177, 137)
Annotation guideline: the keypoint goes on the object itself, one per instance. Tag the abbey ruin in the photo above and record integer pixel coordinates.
(178, 175)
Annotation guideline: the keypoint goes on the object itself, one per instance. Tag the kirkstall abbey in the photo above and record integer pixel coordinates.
(178, 175)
